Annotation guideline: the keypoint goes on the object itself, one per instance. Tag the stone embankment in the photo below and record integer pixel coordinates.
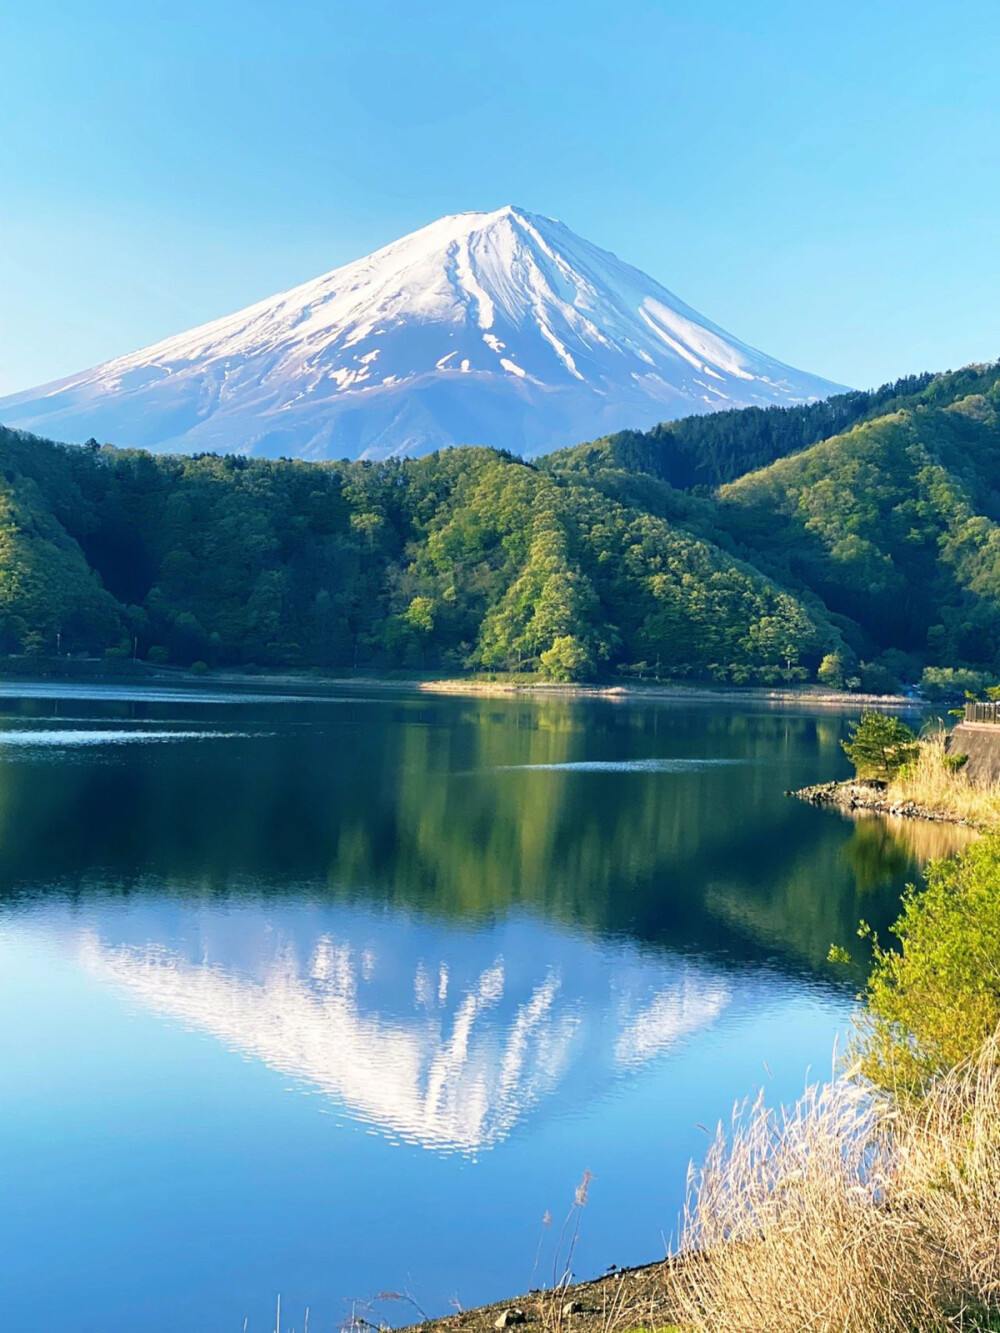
(872, 796)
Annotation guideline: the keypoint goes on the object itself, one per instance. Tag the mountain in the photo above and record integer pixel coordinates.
(877, 545)
(501, 328)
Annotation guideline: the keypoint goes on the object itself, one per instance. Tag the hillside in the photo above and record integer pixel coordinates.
(502, 328)
(879, 544)
(466, 558)
(893, 523)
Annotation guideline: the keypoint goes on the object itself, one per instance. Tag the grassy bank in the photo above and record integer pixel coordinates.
(931, 785)
(934, 782)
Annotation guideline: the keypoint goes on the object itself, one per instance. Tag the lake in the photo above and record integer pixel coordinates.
(339, 995)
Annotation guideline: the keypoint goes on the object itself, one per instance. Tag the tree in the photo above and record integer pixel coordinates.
(831, 671)
(420, 615)
(568, 659)
(879, 745)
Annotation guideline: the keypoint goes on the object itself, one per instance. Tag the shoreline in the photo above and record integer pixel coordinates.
(628, 1298)
(671, 690)
(852, 794)
(101, 673)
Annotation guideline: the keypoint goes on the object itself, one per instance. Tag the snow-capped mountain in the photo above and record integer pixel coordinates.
(500, 328)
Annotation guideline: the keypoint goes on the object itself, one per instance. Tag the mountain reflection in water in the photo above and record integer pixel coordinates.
(441, 1046)
(337, 995)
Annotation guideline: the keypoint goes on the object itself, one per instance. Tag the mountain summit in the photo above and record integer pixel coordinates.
(500, 328)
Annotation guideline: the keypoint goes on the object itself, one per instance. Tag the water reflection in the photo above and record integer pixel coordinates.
(327, 961)
(667, 826)
(444, 1043)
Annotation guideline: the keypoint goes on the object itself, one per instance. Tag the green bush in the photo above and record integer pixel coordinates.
(876, 679)
(933, 1002)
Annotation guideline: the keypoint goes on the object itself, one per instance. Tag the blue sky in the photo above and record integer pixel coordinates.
(821, 180)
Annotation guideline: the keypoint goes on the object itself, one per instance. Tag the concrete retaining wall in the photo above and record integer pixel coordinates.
(981, 742)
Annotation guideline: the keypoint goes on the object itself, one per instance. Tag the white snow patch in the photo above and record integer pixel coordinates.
(509, 365)
(560, 349)
(471, 285)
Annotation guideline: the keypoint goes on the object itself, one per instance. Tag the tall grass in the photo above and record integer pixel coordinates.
(931, 781)
(850, 1213)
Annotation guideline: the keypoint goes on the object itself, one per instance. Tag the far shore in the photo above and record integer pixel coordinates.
(122, 673)
(814, 695)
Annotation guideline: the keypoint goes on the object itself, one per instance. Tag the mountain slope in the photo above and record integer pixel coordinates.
(893, 523)
(468, 557)
(881, 543)
(500, 328)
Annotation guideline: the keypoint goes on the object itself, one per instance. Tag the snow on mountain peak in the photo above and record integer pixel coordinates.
(501, 328)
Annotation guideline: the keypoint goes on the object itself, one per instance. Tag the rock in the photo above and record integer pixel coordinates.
(509, 1317)
(571, 1307)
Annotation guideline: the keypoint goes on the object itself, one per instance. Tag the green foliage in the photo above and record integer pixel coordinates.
(875, 549)
(720, 446)
(831, 671)
(874, 678)
(466, 559)
(934, 1001)
(953, 682)
(879, 745)
(567, 659)
(891, 524)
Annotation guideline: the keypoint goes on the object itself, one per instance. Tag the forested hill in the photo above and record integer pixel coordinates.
(877, 545)
(705, 451)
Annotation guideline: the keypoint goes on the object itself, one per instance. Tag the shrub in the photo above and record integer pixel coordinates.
(953, 682)
(199, 668)
(876, 678)
(879, 745)
(933, 1002)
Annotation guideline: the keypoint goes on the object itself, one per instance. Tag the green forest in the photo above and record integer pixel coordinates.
(854, 540)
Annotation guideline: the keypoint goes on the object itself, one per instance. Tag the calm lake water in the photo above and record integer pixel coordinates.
(337, 996)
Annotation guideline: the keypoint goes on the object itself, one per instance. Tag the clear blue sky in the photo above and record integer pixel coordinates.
(822, 180)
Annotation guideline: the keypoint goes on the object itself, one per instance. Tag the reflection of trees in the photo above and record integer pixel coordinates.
(428, 805)
(896, 845)
(877, 855)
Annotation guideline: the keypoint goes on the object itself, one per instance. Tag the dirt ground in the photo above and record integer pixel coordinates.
(627, 1299)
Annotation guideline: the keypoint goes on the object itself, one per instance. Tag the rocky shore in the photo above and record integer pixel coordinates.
(873, 796)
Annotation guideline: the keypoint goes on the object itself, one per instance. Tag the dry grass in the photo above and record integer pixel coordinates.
(929, 781)
(850, 1214)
